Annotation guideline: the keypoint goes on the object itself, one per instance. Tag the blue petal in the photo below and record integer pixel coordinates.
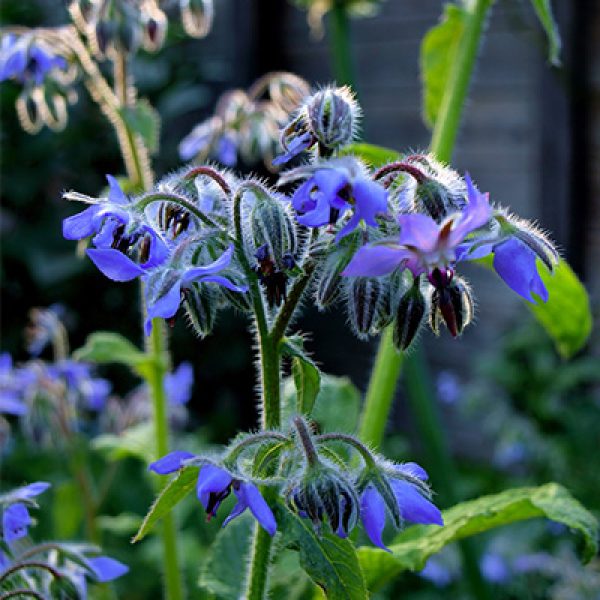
(319, 215)
(227, 151)
(250, 494)
(372, 513)
(419, 231)
(516, 264)
(303, 200)
(32, 490)
(240, 506)
(371, 200)
(106, 568)
(413, 506)
(159, 251)
(114, 264)
(350, 226)
(414, 470)
(476, 214)
(375, 260)
(170, 463)
(81, 225)
(115, 194)
(211, 479)
(242, 289)
(178, 385)
(218, 265)
(15, 521)
(330, 182)
(11, 404)
(166, 305)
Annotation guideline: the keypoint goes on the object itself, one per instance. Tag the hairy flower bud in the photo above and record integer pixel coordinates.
(154, 25)
(104, 35)
(434, 199)
(200, 303)
(333, 116)
(454, 304)
(409, 316)
(364, 298)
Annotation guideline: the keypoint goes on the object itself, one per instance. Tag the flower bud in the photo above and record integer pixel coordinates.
(434, 199)
(128, 36)
(287, 91)
(105, 32)
(200, 303)
(154, 25)
(333, 116)
(197, 17)
(323, 493)
(409, 316)
(452, 303)
(364, 298)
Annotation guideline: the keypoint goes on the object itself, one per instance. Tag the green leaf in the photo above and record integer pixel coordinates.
(222, 573)
(306, 374)
(136, 442)
(438, 55)
(411, 549)
(338, 404)
(121, 525)
(331, 562)
(144, 120)
(543, 9)
(175, 491)
(110, 347)
(567, 315)
(376, 156)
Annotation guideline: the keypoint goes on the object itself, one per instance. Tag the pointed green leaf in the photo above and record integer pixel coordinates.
(175, 491)
(411, 549)
(567, 315)
(222, 573)
(374, 155)
(543, 10)
(438, 55)
(307, 377)
(330, 561)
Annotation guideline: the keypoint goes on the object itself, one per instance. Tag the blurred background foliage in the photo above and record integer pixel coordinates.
(516, 413)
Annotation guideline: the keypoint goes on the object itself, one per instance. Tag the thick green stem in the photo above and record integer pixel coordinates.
(158, 354)
(341, 48)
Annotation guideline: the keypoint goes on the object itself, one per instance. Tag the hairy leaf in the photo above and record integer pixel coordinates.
(412, 548)
(331, 562)
(145, 121)
(222, 573)
(543, 9)
(438, 55)
(175, 491)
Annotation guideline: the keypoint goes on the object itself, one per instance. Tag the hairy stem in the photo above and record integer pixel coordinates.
(158, 354)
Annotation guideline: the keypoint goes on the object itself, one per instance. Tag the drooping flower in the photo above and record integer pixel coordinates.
(118, 229)
(24, 59)
(215, 484)
(16, 518)
(165, 284)
(424, 246)
(333, 188)
(412, 503)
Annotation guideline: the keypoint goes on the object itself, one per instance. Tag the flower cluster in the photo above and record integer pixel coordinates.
(69, 567)
(246, 123)
(309, 485)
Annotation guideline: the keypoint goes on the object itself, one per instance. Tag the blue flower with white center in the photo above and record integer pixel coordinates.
(25, 60)
(412, 503)
(333, 188)
(424, 246)
(215, 484)
(118, 229)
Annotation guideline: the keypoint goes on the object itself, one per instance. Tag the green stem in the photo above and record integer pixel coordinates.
(341, 48)
(157, 352)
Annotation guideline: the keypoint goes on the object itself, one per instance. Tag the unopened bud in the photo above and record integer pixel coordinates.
(333, 116)
(409, 317)
(364, 297)
(104, 33)
(200, 303)
(197, 17)
(434, 199)
(454, 304)
(154, 28)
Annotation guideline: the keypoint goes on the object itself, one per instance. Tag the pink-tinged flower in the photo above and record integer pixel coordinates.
(424, 246)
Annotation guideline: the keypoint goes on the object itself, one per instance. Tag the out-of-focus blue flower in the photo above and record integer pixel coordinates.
(226, 150)
(413, 505)
(510, 453)
(215, 484)
(296, 146)
(118, 229)
(200, 138)
(12, 386)
(106, 568)
(448, 387)
(165, 284)
(23, 59)
(424, 245)
(494, 568)
(15, 522)
(333, 189)
(79, 379)
(178, 384)
(436, 572)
